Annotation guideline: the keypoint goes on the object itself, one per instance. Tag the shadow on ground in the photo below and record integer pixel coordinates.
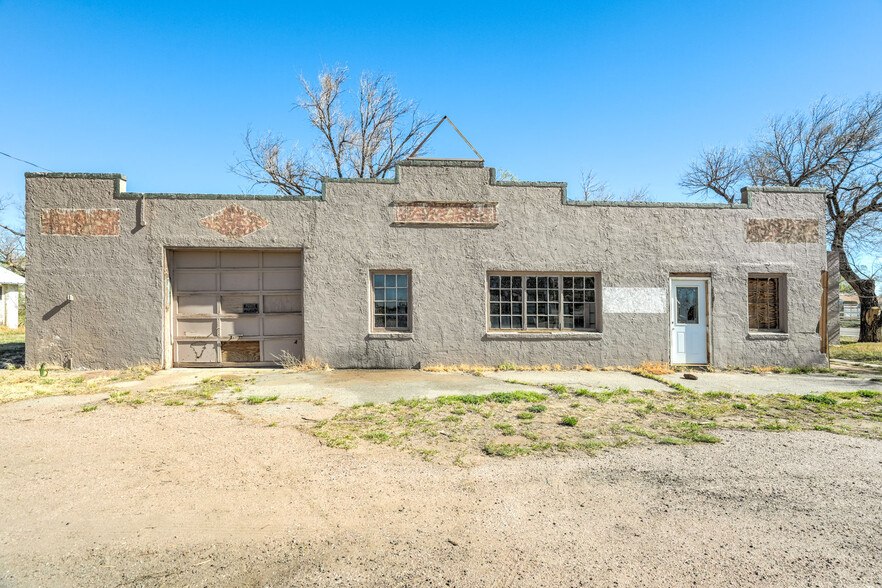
(12, 355)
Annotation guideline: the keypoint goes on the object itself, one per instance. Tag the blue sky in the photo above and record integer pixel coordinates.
(163, 91)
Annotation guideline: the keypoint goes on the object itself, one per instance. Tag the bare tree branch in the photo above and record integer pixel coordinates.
(384, 128)
(594, 189)
(717, 173)
(12, 235)
(837, 146)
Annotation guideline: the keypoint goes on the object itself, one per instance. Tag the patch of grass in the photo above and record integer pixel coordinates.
(868, 393)
(560, 388)
(90, 408)
(376, 436)
(260, 399)
(505, 428)
(717, 395)
(498, 397)
(818, 399)
(867, 352)
(456, 426)
(506, 449)
(672, 441)
(174, 402)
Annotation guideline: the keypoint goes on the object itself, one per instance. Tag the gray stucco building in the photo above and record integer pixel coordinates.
(440, 265)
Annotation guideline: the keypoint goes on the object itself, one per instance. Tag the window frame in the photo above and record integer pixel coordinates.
(781, 287)
(371, 315)
(540, 273)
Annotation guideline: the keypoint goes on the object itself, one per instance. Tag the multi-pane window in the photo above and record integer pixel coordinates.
(391, 294)
(542, 302)
(764, 303)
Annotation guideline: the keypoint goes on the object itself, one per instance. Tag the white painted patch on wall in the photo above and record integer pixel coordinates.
(635, 300)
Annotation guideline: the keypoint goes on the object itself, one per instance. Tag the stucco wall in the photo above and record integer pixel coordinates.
(116, 316)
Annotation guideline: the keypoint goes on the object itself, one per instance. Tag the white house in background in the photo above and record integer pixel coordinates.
(9, 285)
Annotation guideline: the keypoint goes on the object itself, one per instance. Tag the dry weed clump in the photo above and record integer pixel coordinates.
(477, 369)
(294, 364)
(656, 368)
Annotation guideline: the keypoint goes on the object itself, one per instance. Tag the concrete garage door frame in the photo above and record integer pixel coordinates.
(239, 307)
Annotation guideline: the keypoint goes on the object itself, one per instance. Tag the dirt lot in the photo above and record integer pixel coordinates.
(179, 495)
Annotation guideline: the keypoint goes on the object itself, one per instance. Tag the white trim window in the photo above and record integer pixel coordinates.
(390, 301)
(542, 302)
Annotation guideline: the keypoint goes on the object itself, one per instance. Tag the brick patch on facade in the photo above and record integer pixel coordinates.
(81, 223)
(446, 213)
(234, 221)
(782, 230)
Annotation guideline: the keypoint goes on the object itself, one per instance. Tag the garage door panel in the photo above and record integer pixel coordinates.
(282, 259)
(195, 281)
(240, 304)
(282, 280)
(197, 352)
(240, 327)
(282, 303)
(240, 258)
(291, 324)
(273, 348)
(236, 281)
(184, 259)
(196, 304)
(196, 327)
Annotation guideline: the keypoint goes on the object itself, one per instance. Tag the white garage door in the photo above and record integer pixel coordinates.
(235, 307)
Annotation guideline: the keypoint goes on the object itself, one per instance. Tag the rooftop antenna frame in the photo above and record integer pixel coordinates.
(420, 146)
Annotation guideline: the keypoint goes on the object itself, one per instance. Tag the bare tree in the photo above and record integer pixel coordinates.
(835, 145)
(12, 234)
(594, 189)
(366, 143)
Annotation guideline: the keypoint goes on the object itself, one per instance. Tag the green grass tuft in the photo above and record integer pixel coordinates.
(818, 399)
(260, 399)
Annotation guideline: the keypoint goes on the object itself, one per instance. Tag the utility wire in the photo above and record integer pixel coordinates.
(24, 161)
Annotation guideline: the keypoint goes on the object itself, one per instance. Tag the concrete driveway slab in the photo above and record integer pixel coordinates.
(344, 387)
(580, 379)
(739, 383)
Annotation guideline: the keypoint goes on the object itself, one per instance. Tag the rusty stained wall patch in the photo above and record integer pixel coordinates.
(782, 230)
(235, 221)
(102, 222)
(471, 214)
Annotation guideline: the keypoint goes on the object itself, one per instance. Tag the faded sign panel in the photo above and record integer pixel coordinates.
(446, 213)
(234, 221)
(782, 230)
(103, 222)
(635, 300)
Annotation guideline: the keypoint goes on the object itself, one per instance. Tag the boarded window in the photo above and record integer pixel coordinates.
(541, 302)
(763, 304)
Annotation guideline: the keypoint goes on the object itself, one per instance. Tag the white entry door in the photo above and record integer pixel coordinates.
(689, 328)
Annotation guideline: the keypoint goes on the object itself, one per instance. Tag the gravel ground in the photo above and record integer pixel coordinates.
(172, 496)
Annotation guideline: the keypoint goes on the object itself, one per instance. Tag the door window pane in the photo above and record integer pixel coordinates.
(687, 305)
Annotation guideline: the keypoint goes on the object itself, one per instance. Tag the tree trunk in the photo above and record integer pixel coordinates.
(871, 316)
(871, 320)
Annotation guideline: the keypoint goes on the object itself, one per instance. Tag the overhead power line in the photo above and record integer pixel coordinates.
(25, 161)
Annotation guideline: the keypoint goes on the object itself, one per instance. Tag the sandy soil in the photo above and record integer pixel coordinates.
(174, 496)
